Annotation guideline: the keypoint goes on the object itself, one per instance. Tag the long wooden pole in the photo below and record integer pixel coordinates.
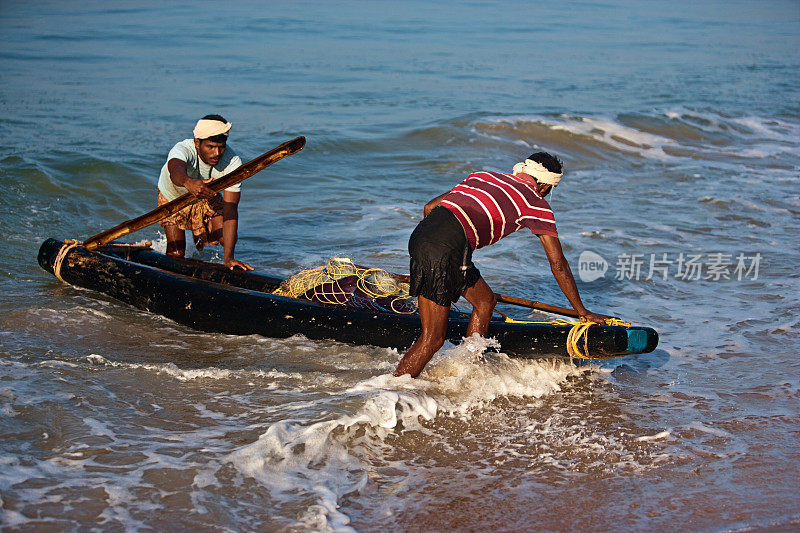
(537, 305)
(170, 208)
(517, 301)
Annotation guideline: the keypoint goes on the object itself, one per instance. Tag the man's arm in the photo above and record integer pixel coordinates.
(563, 275)
(178, 175)
(434, 203)
(230, 229)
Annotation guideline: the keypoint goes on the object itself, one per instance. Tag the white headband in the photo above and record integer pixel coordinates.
(210, 128)
(538, 171)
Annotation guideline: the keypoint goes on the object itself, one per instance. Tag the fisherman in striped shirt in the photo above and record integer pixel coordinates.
(477, 212)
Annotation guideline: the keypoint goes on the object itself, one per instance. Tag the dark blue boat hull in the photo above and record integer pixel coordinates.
(208, 297)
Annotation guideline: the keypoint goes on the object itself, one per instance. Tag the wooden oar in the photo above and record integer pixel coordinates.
(537, 305)
(170, 208)
(517, 301)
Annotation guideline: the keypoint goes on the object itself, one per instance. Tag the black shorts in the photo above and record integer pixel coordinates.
(441, 259)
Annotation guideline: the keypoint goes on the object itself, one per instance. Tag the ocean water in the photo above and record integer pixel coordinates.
(679, 127)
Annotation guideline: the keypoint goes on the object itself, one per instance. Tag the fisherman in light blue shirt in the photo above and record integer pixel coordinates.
(190, 166)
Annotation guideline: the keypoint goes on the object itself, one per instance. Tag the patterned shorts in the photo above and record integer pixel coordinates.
(196, 218)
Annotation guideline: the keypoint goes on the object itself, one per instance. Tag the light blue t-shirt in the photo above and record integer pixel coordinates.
(196, 168)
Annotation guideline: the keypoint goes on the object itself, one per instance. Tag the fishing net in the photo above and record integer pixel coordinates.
(341, 283)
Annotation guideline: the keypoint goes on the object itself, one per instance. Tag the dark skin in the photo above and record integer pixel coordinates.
(223, 228)
(434, 316)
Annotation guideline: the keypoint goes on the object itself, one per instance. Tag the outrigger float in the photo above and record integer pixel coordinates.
(209, 297)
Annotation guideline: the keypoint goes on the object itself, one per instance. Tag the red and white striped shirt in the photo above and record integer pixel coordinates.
(491, 205)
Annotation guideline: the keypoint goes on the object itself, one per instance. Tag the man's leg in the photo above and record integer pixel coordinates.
(483, 301)
(215, 229)
(176, 241)
(434, 333)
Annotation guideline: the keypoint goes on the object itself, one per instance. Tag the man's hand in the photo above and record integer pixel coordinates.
(588, 316)
(199, 189)
(233, 264)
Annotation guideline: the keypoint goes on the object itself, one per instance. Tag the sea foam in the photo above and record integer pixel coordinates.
(325, 460)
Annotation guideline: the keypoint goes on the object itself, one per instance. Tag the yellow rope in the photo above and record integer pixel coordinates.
(373, 282)
(576, 333)
(68, 245)
(379, 279)
(579, 332)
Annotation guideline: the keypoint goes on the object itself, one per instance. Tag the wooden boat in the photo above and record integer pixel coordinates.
(211, 298)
